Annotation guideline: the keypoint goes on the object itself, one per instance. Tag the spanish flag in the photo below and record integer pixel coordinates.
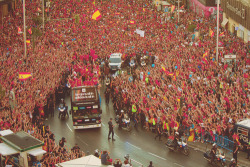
(163, 68)
(205, 54)
(38, 9)
(182, 7)
(97, 15)
(30, 31)
(28, 41)
(170, 73)
(172, 8)
(132, 22)
(19, 30)
(143, 9)
(221, 34)
(211, 33)
(24, 75)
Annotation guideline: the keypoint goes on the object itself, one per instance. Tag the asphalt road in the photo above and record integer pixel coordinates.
(139, 144)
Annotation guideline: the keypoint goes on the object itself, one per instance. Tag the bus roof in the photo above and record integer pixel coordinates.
(245, 123)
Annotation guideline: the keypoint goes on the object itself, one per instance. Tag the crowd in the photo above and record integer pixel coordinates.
(185, 86)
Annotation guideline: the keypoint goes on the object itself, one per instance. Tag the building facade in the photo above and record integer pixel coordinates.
(204, 8)
(236, 17)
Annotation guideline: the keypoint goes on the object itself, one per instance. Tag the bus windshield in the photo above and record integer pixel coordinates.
(86, 113)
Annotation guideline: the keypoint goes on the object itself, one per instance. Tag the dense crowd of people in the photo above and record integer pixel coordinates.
(184, 86)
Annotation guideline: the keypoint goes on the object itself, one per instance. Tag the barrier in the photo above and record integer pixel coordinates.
(221, 141)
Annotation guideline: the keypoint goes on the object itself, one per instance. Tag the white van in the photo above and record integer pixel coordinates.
(115, 61)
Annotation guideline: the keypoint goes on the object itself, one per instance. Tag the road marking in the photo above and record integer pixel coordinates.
(69, 127)
(178, 165)
(116, 136)
(157, 156)
(103, 124)
(82, 140)
(134, 146)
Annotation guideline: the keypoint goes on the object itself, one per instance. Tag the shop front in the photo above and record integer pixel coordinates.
(236, 18)
(203, 8)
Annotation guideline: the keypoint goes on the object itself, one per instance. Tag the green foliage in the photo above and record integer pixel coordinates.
(37, 20)
(36, 32)
(191, 27)
(77, 18)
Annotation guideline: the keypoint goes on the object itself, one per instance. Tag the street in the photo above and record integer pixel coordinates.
(139, 144)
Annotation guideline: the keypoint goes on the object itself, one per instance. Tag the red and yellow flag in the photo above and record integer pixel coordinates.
(221, 34)
(97, 15)
(24, 75)
(30, 31)
(182, 7)
(211, 33)
(19, 30)
(172, 8)
(28, 41)
(163, 68)
(205, 54)
(132, 22)
(38, 9)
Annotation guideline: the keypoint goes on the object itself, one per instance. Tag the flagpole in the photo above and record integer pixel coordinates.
(24, 29)
(217, 41)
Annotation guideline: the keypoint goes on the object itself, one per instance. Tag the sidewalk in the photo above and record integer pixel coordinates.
(203, 147)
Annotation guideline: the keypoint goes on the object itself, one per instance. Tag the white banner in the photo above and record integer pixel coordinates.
(140, 32)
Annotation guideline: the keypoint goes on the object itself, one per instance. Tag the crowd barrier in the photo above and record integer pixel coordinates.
(221, 141)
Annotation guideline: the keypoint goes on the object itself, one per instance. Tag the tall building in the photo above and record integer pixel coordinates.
(236, 17)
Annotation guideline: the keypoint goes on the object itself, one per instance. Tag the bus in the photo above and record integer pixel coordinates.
(85, 107)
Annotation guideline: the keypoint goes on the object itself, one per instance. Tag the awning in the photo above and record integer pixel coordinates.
(87, 161)
(36, 152)
(223, 24)
(5, 132)
(7, 150)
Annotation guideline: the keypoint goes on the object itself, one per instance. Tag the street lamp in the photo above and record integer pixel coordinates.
(24, 29)
(217, 41)
(43, 13)
(178, 11)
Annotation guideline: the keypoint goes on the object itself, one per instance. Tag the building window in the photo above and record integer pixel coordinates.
(241, 34)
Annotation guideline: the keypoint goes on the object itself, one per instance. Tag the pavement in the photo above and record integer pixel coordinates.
(203, 147)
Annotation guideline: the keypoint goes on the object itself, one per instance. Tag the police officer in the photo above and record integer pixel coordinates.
(159, 131)
(111, 129)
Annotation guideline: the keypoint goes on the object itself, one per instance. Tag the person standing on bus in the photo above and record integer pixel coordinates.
(111, 129)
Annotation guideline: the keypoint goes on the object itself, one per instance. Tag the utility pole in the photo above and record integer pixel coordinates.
(24, 29)
(178, 11)
(217, 41)
(43, 14)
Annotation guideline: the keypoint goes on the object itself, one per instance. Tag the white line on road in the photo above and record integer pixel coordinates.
(116, 136)
(103, 124)
(178, 165)
(69, 127)
(157, 156)
(82, 140)
(134, 146)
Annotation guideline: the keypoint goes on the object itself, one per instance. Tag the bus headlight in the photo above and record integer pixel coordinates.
(97, 121)
(75, 123)
(95, 106)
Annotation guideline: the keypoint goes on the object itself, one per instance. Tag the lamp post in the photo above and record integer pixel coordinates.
(24, 29)
(217, 40)
(43, 13)
(178, 11)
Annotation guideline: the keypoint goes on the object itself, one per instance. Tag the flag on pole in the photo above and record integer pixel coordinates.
(211, 33)
(30, 31)
(182, 7)
(24, 75)
(132, 22)
(28, 41)
(19, 30)
(172, 8)
(97, 15)
(163, 68)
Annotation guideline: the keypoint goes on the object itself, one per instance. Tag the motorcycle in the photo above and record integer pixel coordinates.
(62, 111)
(220, 159)
(181, 146)
(125, 124)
